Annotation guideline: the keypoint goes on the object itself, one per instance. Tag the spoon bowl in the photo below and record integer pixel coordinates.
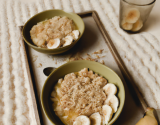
(47, 71)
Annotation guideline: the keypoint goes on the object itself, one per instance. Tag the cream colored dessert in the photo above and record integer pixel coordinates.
(54, 33)
(84, 96)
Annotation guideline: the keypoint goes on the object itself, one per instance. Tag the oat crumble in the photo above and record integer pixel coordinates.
(77, 94)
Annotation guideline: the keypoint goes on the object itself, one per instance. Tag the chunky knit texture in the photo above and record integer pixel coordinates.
(140, 52)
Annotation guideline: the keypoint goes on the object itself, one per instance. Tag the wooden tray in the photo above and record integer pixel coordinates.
(134, 104)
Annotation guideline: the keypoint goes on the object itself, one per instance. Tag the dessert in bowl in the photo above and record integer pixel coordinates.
(78, 71)
(53, 31)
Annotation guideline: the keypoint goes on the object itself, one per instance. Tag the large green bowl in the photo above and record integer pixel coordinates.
(47, 15)
(76, 66)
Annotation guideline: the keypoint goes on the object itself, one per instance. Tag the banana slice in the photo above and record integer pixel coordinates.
(53, 94)
(137, 26)
(54, 99)
(112, 101)
(126, 26)
(75, 34)
(65, 117)
(107, 113)
(58, 91)
(132, 15)
(53, 43)
(82, 120)
(95, 119)
(110, 89)
(67, 40)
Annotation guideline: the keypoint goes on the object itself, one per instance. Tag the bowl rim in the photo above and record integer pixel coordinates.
(34, 46)
(122, 101)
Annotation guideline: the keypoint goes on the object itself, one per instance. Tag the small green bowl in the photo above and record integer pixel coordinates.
(76, 66)
(47, 15)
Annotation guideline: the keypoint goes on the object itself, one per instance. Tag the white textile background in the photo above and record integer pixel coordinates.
(140, 52)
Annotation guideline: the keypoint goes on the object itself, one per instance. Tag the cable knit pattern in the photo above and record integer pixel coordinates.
(140, 52)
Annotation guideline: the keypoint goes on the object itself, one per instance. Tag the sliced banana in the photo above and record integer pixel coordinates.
(82, 120)
(53, 43)
(132, 15)
(112, 101)
(58, 110)
(95, 119)
(65, 117)
(137, 26)
(53, 94)
(67, 40)
(75, 34)
(54, 99)
(126, 26)
(110, 89)
(107, 114)
(58, 91)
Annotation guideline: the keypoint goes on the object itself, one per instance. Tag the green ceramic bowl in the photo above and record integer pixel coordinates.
(47, 15)
(76, 66)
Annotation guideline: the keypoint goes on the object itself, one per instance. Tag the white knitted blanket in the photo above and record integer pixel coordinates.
(140, 52)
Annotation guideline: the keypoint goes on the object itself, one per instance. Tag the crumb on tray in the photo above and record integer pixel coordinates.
(98, 51)
(102, 61)
(39, 65)
(34, 58)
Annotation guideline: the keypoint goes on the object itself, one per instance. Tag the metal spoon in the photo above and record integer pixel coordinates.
(47, 71)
